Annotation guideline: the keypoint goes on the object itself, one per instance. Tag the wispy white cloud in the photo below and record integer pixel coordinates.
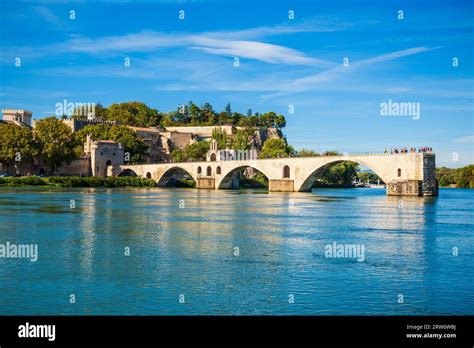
(465, 140)
(152, 41)
(254, 50)
(145, 41)
(313, 25)
(48, 15)
(241, 44)
(306, 83)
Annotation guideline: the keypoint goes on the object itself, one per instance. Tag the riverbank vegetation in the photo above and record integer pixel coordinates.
(339, 175)
(458, 177)
(258, 180)
(76, 181)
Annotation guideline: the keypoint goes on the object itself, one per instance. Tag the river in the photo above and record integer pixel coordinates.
(176, 251)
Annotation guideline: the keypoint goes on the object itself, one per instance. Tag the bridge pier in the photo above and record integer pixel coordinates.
(205, 183)
(281, 185)
(428, 186)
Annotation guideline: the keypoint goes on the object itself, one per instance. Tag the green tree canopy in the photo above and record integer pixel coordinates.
(197, 151)
(307, 153)
(279, 122)
(133, 113)
(274, 148)
(178, 155)
(330, 153)
(221, 137)
(368, 176)
(461, 177)
(193, 152)
(101, 112)
(241, 140)
(340, 174)
(55, 141)
(16, 144)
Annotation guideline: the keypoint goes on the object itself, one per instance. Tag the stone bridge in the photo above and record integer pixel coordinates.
(412, 174)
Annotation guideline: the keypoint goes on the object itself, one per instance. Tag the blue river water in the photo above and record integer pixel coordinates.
(249, 252)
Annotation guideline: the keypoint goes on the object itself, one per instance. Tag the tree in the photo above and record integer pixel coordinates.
(121, 115)
(16, 144)
(223, 118)
(271, 117)
(197, 151)
(461, 177)
(307, 153)
(263, 120)
(220, 136)
(228, 109)
(274, 148)
(241, 140)
(254, 120)
(134, 114)
(368, 176)
(236, 117)
(178, 155)
(330, 153)
(280, 122)
(191, 114)
(101, 112)
(444, 181)
(340, 174)
(195, 114)
(55, 141)
(208, 115)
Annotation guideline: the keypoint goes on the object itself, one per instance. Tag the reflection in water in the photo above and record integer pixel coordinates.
(87, 229)
(184, 241)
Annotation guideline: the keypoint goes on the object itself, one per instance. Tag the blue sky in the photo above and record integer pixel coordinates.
(282, 62)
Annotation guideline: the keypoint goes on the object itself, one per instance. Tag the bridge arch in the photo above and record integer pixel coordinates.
(167, 176)
(227, 181)
(309, 180)
(128, 172)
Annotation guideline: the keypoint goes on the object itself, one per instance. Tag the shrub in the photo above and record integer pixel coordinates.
(75, 181)
(21, 181)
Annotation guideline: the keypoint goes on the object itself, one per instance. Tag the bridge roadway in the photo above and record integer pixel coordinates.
(412, 174)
